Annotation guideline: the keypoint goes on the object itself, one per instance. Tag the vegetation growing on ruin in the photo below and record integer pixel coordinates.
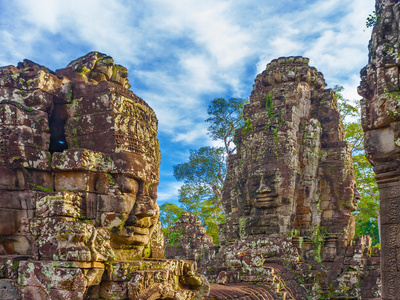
(175, 238)
(318, 239)
(269, 104)
(372, 19)
(368, 205)
(248, 127)
(204, 173)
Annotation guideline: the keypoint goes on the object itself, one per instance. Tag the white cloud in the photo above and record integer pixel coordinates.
(210, 41)
(183, 53)
(198, 133)
(169, 192)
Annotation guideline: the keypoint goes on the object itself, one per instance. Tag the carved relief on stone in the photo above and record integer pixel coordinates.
(380, 111)
(293, 171)
(290, 192)
(189, 240)
(79, 165)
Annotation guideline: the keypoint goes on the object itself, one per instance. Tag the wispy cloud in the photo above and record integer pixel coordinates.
(169, 192)
(183, 53)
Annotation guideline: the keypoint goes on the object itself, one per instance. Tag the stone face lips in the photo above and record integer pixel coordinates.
(381, 123)
(79, 165)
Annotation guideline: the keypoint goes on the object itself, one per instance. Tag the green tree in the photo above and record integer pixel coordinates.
(368, 205)
(169, 213)
(367, 213)
(225, 117)
(346, 109)
(204, 173)
(203, 178)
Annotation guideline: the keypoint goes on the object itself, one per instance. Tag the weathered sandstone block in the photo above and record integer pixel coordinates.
(290, 191)
(189, 240)
(380, 109)
(79, 170)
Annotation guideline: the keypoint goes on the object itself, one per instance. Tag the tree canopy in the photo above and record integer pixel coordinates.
(203, 175)
(225, 118)
(169, 213)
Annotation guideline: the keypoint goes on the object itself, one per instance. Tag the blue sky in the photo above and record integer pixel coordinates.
(181, 54)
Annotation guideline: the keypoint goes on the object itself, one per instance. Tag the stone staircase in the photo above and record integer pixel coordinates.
(287, 287)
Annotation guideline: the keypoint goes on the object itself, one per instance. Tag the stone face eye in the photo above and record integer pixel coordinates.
(153, 191)
(128, 185)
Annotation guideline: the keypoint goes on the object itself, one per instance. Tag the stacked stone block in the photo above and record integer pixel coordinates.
(189, 240)
(293, 148)
(79, 174)
(290, 192)
(380, 110)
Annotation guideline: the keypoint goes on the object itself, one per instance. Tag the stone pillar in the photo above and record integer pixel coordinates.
(291, 188)
(380, 110)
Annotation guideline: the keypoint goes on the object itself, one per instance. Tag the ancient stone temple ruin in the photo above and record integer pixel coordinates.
(293, 170)
(189, 240)
(79, 172)
(289, 195)
(380, 90)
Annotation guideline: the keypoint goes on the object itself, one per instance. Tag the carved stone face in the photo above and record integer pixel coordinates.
(351, 194)
(263, 191)
(135, 228)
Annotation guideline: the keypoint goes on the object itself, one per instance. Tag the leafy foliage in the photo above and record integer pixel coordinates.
(205, 168)
(203, 176)
(346, 109)
(175, 238)
(169, 213)
(196, 200)
(204, 173)
(225, 117)
(368, 205)
(372, 19)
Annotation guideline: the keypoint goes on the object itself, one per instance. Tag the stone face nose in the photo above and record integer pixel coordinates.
(264, 188)
(145, 207)
(357, 194)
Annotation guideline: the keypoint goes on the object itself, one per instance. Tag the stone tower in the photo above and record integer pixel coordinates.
(289, 195)
(189, 240)
(79, 170)
(293, 170)
(380, 109)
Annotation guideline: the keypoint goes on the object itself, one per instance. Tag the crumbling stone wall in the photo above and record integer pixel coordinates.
(290, 191)
(189, 240)
(380, 109)
(79, 165)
